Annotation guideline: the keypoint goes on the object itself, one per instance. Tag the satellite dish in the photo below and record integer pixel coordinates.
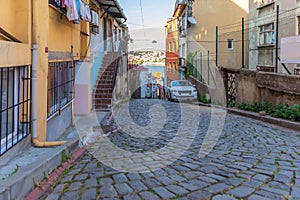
(192, 20)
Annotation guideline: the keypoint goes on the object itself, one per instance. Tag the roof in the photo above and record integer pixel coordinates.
(142, 68)
(113, 8)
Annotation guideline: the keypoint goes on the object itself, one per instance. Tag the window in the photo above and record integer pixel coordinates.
(230, 44)
(174, 67)
(266, 34)
(170, 47)
(60, 86)
(263, 3)
(183, 50)
(14, 106)
(265, 56)
(174, 46)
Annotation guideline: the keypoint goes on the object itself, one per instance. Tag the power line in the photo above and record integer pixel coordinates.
(142, 16)
(255, 20)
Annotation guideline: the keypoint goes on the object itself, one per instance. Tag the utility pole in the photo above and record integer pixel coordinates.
(217, 30)
(277, 39)
(243, 43)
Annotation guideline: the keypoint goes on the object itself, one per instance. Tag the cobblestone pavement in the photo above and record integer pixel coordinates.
(251, 160)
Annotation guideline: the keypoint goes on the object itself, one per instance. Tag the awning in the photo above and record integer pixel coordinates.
(179, 8)
(113, 8)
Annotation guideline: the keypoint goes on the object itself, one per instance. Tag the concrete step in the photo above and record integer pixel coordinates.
(99, 96)
(107, 86)
(102, 101)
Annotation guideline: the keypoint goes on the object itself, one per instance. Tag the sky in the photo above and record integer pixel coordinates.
(155, 14)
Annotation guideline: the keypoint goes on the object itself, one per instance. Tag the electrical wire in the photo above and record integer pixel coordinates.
(142, 16)
(255, 20)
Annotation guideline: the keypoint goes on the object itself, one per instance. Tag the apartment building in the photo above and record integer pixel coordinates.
(107, 44)
(44, 44)
(215, 36)
(263, 36)
(171, 65)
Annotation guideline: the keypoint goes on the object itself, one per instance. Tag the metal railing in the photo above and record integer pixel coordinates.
(122, 46)
(15, 105)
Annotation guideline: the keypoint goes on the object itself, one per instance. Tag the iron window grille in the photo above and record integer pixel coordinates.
(15, 106)
(60, 86)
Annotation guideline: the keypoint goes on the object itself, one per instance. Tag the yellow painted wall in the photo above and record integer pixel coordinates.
(14, 54)
(63, 34)
(35, 22)
(212, 13)
(15, 18)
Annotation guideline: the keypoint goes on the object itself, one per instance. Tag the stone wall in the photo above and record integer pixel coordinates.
(247, 91)
(215, 91)
(253, 86)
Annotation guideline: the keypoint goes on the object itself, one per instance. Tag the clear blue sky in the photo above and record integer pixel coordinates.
(156, 12)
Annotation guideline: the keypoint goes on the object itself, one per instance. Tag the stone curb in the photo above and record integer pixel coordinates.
(21, 183)
(272, 120)
(46, 184)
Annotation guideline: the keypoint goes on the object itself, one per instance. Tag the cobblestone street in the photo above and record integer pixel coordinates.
(250, 160)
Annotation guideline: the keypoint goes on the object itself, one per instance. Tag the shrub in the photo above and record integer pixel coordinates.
(279, 110)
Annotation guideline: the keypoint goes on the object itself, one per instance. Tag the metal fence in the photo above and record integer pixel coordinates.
(60, 86)
(252, 43)
(15, 105)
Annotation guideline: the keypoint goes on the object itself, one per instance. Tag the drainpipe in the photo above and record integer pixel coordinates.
(35, 141)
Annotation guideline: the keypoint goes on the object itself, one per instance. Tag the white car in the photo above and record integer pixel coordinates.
(182, 90)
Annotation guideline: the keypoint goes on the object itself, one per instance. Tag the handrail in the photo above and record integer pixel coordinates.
(116, 64)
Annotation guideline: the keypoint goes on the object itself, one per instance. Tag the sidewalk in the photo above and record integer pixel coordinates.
(23, 173)
(253, 115)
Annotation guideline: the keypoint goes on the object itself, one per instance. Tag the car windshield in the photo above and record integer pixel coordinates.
(180, 83)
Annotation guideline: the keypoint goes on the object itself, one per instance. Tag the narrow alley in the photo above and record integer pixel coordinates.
(250, 160)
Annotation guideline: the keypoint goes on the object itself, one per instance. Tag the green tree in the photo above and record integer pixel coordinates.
(190, 64)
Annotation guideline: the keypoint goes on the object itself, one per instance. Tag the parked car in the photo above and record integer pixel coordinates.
(182, 90)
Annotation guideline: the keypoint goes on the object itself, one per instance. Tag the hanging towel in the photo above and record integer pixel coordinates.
(72, 12)
(85, 12)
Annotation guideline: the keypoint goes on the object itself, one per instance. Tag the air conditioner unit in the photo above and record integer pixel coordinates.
(95, 18)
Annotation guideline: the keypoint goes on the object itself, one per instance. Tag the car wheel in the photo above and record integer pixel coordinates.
(172, 100)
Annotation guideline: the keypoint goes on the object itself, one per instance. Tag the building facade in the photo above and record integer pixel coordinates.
(43, 46)
(15, 67)
(107, 42)
(215, 37)
(171, 64)
(181, 13)
(263, 37)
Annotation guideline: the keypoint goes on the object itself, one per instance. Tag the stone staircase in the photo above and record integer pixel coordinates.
(102, 94)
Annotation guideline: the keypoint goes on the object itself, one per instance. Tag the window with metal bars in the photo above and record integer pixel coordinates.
(15, 105)
(60, 86)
